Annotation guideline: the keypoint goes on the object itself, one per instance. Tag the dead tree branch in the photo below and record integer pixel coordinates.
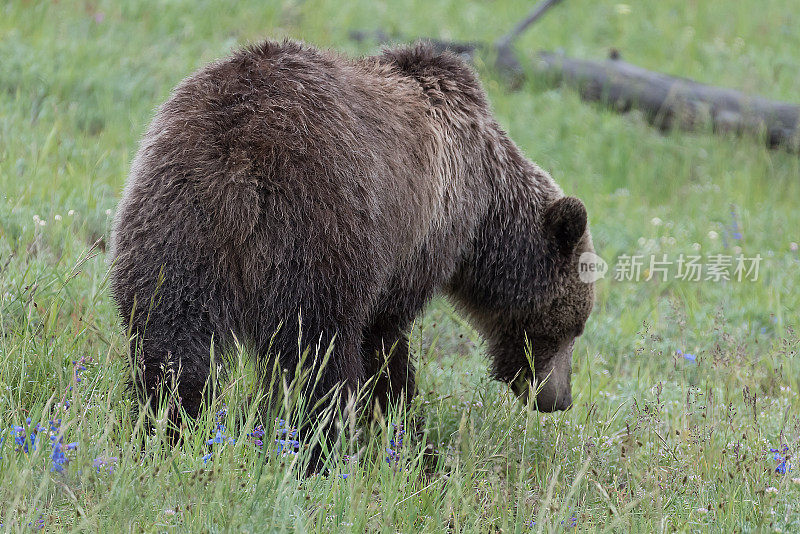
(505, 57)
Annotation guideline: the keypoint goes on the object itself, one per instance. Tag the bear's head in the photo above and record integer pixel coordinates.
(554, 323)
(531, 343)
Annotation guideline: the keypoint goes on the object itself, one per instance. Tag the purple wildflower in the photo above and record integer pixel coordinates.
(686, 355)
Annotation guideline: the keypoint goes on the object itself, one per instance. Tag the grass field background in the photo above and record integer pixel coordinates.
(656, 442)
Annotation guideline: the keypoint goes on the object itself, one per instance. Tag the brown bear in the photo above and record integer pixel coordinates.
(289, 197)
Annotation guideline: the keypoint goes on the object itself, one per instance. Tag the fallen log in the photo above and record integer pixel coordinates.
(671, 102)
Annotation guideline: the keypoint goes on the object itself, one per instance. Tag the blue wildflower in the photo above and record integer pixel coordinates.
(221, 413)
(58, 457)
(256, 435)
(220, 436)
(38, 524)
(735, 232)
(286, 442)
(572, 522)
(287, 446)
(686, 355)
(107, 462)
(395, 443)
(782, 457)
(25, 438)
(284, 430)
(78, 366)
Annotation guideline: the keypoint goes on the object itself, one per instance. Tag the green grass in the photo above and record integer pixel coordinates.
(654, 442)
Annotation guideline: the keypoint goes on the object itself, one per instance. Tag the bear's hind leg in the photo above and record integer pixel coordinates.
(386, 355)
(329, 384)
(171, 369)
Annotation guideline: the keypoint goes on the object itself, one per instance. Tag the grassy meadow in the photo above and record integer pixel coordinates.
(686, 404)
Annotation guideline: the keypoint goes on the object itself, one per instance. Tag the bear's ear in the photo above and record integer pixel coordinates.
(565, 223)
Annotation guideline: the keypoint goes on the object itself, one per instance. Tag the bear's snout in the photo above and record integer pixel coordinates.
(553, 399)
(554, 391)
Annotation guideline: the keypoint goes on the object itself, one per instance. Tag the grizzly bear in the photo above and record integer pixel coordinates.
(288, 197)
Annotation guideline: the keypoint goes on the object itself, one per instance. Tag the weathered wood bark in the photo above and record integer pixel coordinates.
(671, 102)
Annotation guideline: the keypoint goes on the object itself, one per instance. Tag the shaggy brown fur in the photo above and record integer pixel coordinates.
(286, 181)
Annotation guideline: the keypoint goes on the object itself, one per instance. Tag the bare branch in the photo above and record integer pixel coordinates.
(505, 59)
(534, 15)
